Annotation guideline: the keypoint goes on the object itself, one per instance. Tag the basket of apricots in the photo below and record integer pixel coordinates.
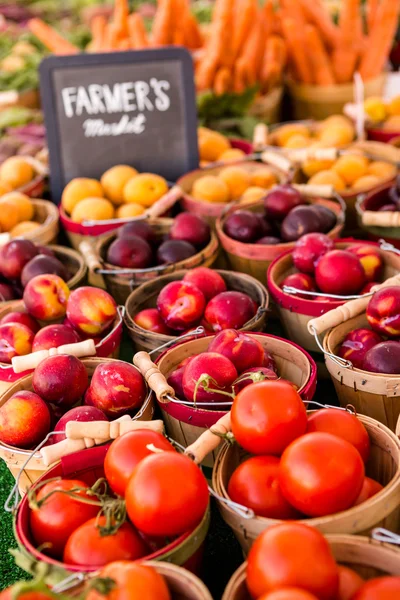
(216, 147)
(335, 131)
(382, 118)
(30, 218)
(91, 207)
(141, 251)
(379, 212)
(23, 173)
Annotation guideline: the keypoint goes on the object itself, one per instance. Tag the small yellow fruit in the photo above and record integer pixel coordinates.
(252, 194)
(298, 141)
(16, 172)
(375, 108)
(237, 180)
(4, 188)
(366, 182)
(337, 135)
(392, 123)
(311, 167)
(23, 204)
(328, 177)
(77, 190)
(382, 169)
(8, 216)
(145, 189)
(393, 107)
(351, 167)
(285, 132)
(211, 144)
(333, 121)
(114, 180)
(210, 189)
(96, 209)
(23, 228)
(126, 211)
(264, 178)
(231, 155)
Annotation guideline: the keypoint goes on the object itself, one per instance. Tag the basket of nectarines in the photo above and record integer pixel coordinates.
(362, 352)
(162, 309)
(331, 269)
(206, 374)
(140, 251)
(253, 236)
(379, 212)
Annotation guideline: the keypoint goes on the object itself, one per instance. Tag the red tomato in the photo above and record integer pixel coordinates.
(343, 424)
(370, 488)
(8, 594)
(349, 583)
(288, 593)
(86, 545)
(267, 416)
(321, 474)
(59, 515)
(280, 557)
(126, 451)
(255, 484)
(166, 495)
(381, 588)
(132, 582)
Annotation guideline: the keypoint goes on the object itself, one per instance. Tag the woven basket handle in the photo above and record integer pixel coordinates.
(315, 191)
(347, 311)
(302, 154)
(260, 136)
(31, 361)
(277, 160)
(165, 202)
(93, 264)
(153, 376)
(210, 439)
(381, 219)
(108, 430)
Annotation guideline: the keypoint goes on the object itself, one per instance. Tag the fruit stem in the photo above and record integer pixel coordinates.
(102, 585)
(255, 377)
(204, 380)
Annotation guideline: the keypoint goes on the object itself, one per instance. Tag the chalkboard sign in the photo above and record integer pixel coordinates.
(136, 108)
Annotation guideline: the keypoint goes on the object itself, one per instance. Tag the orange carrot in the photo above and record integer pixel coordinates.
(319, 58)
(124, 44)
(219, 49)
(269, 18)
(251, 57)
(50, 38)
(193, 36)
(137, 31)
(222, 81)
(380, 39)
(98, 29)
(274, 60)
(372, 7)
(297, 51)
(246, 15)
(345, 55)
(120, 18)
(315, 12)
(163, 23)
(111, 37)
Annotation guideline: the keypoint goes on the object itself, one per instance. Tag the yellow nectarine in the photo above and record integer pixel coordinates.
(237, 180)
(145, 189)
(92, 208)
(114, 180)
(210, 189)
(16, 171)
(77, 190)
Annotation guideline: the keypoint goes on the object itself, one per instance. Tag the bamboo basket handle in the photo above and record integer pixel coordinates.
(277, 160)
(89, 254)
(31, 361)
(381, 219)
(165, 202)
(153, 376)
(210, 439)
(316, 191)
(302, 154)
(260, 136)
(109, 430)
(347, 311)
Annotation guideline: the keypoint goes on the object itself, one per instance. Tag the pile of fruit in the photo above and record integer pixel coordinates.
(201, 298)
(215, 147)
(377, 349)
(321, 268)
(21, 260)
(143, 471)
(138, 247)
(17, 213)
(234, 183)
(121, 193)
(293, 451)
(287, 216)
(332, 132)
(15, 172)
(85, 313)
(383, 114)
(350, 173)
(233, 361)
(62, 393)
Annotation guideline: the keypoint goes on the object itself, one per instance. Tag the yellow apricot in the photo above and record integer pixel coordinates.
(328, 177)
(77, 190)
(333, 121)
(285, 132)
(4, 188)
(8, 216)
(351, 167)
(392, 123)
(211, 144)
(375, 108)
(129, 210)
(23, 228)
(237, 180)
(92, 208)
(337, 135)
(210, 189)
(382, 169)
(114, 180)
(252, 194)
(231, 155)
(264, 177)
(366, 182)
(16, 171)
(23, 204)
(145, 189)
(311, 167)
(393, 107)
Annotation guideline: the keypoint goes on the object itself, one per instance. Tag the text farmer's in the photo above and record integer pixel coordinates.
(127, 97)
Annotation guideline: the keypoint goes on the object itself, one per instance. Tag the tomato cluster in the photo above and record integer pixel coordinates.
(304, 465)
(160, 493)
(292, 561)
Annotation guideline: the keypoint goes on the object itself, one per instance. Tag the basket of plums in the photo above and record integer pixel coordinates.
(379, 213)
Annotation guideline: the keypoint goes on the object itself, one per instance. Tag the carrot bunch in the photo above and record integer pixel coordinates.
(323, 53)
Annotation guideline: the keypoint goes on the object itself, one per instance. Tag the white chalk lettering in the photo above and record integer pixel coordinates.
(83, 102)
(128, 96)
(97, 127)
(142, 90)
(96, 98)
(162, 101)
(68, 97)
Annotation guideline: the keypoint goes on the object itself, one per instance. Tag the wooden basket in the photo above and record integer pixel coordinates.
(182, 584)
(74, 263)
(368, 558)
(146, 296)
(121, 285)
(295, 312)
(46, 213)
(212, 210)
(16, 457)
(376, 224)
(319, 102)
(254, 259)
(185, 424)
(88, 466)
(383, 509)
(267, 107)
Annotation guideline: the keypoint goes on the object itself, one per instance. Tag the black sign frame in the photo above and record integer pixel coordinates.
(52, 64)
